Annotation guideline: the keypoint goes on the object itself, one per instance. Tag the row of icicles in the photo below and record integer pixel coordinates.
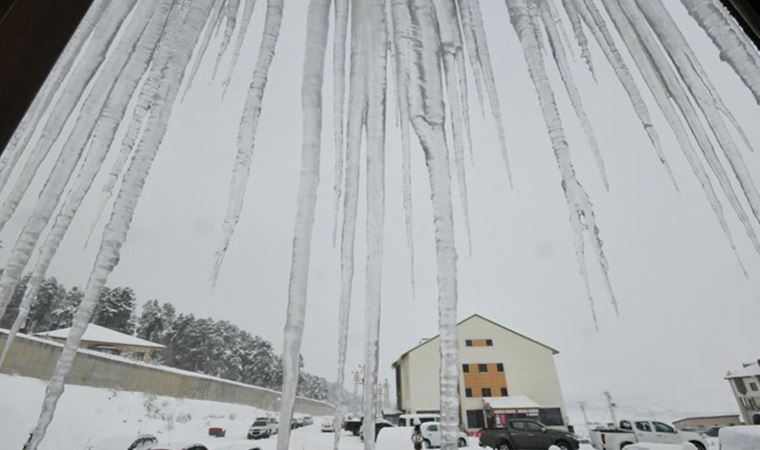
(126, 65)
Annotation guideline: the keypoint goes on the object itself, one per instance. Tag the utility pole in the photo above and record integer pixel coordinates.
(585, 416)
(611, 405)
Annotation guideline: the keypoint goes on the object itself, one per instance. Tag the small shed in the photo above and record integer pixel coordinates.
(109, 341)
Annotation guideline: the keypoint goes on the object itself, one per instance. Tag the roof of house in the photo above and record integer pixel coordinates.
(749, 370)
(720, 416)
(96, 333)
(554, 351)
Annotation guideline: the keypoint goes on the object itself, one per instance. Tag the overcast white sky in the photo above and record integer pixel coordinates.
(687, 313)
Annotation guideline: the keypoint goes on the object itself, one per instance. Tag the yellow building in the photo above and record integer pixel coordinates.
(109, 341)
(503, 374)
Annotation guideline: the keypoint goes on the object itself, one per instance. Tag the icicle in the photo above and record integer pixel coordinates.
(311, 98)
(582, 218)
(572, 90)
(31, 120)
(375, 34)
(169, 77)
(357, 109)
(484, 61)
(242, 32)
(682, 56)
(595, 22)
(451, 47)
(212, 21)
(402, 40)
(664, 85)
(103, 34)
(715, 20)
(426, 108)
(110, 92)
(102, 137)
(468, 32)
(249, 123)
(339, 100)
(230, 12)
(571, 8)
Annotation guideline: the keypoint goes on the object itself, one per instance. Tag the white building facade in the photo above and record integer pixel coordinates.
(745, 384)
(503, 374)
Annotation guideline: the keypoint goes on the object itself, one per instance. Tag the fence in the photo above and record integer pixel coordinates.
(36, 358)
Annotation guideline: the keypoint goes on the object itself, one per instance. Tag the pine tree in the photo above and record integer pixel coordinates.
(116, 310)
(152, 325)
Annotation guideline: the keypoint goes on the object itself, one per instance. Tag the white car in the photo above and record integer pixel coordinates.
(431, 431)
(263, 427)
(327, 426)
(645, 431)
(410, 420)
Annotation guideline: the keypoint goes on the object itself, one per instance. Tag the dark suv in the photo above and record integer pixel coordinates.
(523, 434)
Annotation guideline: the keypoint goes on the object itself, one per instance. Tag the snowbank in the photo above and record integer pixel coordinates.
(649, 446)
(394, 438)
(740, 438)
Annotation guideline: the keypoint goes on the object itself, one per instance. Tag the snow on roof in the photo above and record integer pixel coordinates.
(749, 370)
(511, 402)
(96, 333)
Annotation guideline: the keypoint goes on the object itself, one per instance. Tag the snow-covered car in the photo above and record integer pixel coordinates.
(179, 446)
(327, 426)
(263, 427)
(647, 431)
(740, 438)
(307, 420)
(128, 442)
(431, 431)
(379, 425)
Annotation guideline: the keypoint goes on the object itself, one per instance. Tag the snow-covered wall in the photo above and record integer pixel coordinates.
(36, 358)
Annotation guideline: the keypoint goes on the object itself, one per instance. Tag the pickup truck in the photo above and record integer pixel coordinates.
(525, 434)
(647, 431)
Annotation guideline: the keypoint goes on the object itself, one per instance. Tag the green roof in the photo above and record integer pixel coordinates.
(554, 351)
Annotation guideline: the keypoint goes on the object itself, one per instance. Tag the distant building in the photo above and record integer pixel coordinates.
(503, 374)
(745, 383)
(109, 341)
(707, 422)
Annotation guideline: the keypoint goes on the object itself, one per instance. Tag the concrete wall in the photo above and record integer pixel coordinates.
(36, 358)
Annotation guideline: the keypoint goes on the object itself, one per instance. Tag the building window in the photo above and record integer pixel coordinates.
(489, 342)
(468, 342)
(740, 386)
(475, 418)
(486, 392)
(504, 392)
(500, 367)
(482, 368)
(468, 392)
(753, 386)
(465, 368)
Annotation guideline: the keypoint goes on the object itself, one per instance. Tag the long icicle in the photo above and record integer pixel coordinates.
(662, 96)
(339, 99)
(402, 42)
(426, 108)
(375, 32)
(560, 59)
(629, 16)
(484, 61)
(249, 123)
(571, 9)
(102, 137)
(106, 89)
(593, 19)
(582, 218)
(239, 39)
(208, 32)
(357, 108)
(115, 233)
(712, 16)
(103, 34)
(317, 28)
(31, 120)
(230, 15)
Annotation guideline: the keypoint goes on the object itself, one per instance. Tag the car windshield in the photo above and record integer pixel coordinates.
(260, 423)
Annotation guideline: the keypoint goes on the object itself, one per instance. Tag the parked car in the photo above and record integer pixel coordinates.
(379, 425)
(409, 420)
(307, 420)
(647, 431)
(527, 434)
(127, 441)
(263, 427)
(327, 426)
(353, 425)
(179, 446)
(217, 431)
(431, 431)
